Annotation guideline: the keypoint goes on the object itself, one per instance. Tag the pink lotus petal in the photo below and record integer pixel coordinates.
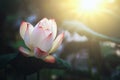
(31, 28)
(38, 35)
(53, 27)
(39, 53)
(49, 59)
(23, 28)
(27, 36)
(48, 24)
(46, 44)
(57, 42)
(43, 23)
(25, 52)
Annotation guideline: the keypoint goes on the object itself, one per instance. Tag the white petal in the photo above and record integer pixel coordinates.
(57, 42)
(38, 35)
(31, 28)
(43, 23)
(53, 27)
(46, 43)
(27, 36)
(23, 28)
(48, 24)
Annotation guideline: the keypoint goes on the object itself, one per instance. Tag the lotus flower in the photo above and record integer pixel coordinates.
(41, 39)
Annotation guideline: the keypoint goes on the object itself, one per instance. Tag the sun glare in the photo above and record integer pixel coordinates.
(90, 5)
(92, 12)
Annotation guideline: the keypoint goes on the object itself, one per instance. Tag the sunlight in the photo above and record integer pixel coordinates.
(90, 5)
(92, 12)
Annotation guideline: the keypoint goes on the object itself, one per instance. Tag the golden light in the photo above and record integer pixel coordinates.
(89, 5)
